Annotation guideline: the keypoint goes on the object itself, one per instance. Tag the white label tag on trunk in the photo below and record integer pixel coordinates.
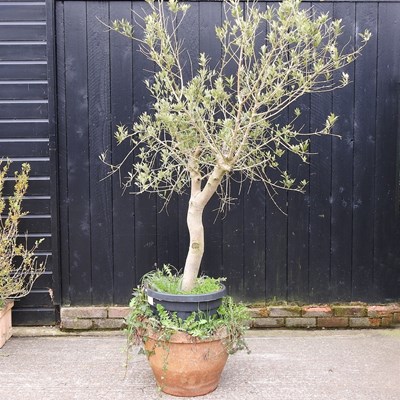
(150, 300)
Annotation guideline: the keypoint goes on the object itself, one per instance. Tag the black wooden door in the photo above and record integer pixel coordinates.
(26, 134)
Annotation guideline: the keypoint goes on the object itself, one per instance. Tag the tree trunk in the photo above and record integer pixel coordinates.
(196, 246)
(198, 200)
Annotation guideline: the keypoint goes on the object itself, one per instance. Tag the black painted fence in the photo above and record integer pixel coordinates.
(339, 242)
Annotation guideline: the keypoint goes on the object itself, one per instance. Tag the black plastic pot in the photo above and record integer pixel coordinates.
(185, 304)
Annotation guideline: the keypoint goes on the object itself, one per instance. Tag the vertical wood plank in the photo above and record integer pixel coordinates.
(342, 167)
(254, 243)
(188, 34)
(298, 215)
(364, 156)
(210, 17)
(320, 190)
(232, 225)
(172, 235)
(386, 237)
(277, 227)
(277, 237)
(298, 210)
(145, 205)
(98, 42)
(171, 221)
(53, 243)
(254, 220)
(62, 154)
(233, 243)
(168, 243)
(121, 64)
(78, 152)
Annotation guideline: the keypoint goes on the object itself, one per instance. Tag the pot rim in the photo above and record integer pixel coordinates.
(187, 298)
(186, 338)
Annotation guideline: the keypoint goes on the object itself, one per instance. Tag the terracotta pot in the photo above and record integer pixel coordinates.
(185, 366)
(5, 323)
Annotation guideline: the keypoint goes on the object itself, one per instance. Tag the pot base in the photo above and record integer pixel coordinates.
(184, 366)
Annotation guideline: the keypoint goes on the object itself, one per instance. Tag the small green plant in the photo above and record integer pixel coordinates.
(168, 280)
(231, 318)
(19, 267)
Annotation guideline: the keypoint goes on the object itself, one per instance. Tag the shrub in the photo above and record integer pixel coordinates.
(19, 266)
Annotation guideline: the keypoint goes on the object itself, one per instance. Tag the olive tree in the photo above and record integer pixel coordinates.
(221, 121)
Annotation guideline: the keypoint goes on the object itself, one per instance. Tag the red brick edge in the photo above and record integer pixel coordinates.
(284, 317)
(90, 318)
(327, 316)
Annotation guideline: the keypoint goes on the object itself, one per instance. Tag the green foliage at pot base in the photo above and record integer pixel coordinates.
(168, 280)
(231, 320)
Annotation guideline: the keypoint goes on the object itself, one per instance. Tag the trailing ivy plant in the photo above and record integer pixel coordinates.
(221, 123)
(19, 266)
(231, 320)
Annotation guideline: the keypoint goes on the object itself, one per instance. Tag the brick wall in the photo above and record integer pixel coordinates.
(305, 317)
(327, 316)
(88, 318)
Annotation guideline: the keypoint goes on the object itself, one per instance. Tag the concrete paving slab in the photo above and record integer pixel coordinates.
(283, 365)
